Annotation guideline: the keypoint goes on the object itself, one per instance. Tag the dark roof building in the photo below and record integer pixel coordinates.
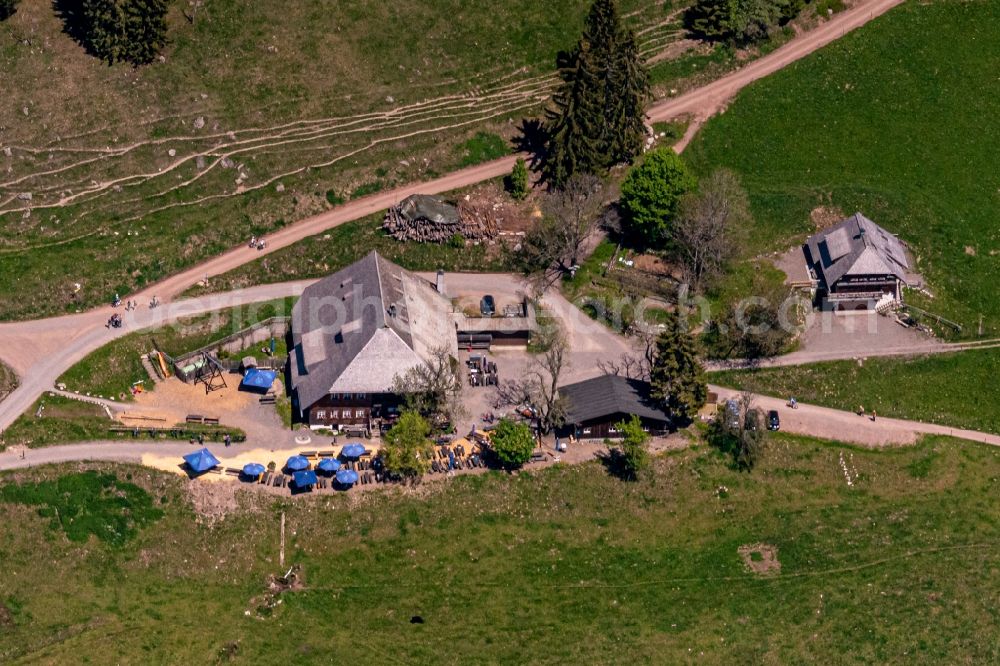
(594, 406)
(356, 330)
(857, 264)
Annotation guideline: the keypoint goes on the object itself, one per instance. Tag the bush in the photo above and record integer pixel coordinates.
(456, 241)
(634, 456)
(512, 443)
(517, 181)
(333, 198)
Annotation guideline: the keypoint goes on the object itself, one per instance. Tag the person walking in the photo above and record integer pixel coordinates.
(873, 416)
(861, 410)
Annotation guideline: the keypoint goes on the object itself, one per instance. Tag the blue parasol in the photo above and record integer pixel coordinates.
(353, 450)
(347, 477)
(328, 465)
(253, 469)
(297, 463)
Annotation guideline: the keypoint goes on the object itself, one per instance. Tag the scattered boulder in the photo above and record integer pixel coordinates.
(200, 162)
(199, 122)
(24, 196)
(389, 98)
(280, 187)
(172, 152)
(7, 151)
(227, 163)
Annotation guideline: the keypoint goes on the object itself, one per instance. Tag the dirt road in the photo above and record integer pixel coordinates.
(834, 424)
(806, 420)
(39, 351)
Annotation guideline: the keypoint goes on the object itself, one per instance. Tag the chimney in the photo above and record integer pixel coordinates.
(439, 285)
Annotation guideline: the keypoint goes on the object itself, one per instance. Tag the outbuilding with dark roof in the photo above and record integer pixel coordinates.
(594, 406)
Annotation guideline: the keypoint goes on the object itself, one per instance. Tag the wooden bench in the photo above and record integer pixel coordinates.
(193, 418)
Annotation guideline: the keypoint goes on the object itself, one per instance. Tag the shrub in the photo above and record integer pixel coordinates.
(517, 181)
(512, 443)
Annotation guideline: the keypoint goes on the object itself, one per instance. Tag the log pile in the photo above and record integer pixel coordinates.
(426, 219)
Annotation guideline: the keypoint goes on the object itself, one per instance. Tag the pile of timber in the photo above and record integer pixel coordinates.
(427, 219)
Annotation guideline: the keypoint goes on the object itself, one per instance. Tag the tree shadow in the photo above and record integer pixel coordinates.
(531, 139)
(70, 12)
(614, 464)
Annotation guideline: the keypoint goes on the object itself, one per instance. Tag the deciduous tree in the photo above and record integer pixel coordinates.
(512, 443)
(406, 449)
(539, 387)
(742, 437)
(553, 246)
(433, 388)
(711, 226)
(651, 194)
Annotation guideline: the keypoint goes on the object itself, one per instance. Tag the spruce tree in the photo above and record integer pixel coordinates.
(676, 376)
(626, 108)
(103, 29)
(145, 30)
(598, 117)
(573, 127)
(124, 30)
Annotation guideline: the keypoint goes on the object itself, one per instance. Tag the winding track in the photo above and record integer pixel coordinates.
(40, 351)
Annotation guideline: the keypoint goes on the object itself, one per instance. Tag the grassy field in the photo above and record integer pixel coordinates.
(564, 565)
(956, 389)
(111, 370)
(258, 111)
(888, 121)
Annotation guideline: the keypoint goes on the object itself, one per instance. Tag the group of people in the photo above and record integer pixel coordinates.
(115, 321)
(132, 305)
(257, 243)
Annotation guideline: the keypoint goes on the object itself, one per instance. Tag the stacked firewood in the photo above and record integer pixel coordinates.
(473, 222)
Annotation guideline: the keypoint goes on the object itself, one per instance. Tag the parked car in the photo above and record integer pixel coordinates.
(487, 306)
(773, 422)
(732, 414)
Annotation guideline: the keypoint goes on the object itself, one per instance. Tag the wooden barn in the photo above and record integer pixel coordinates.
(594, 406)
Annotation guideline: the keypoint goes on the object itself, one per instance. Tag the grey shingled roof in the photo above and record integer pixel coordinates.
(856, 246)
(608, 395)
(354, 331)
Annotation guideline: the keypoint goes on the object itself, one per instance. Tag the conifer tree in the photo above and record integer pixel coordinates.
(145, 30)
(574, 127)
(124, 30)
(676, 376)
(597, 119)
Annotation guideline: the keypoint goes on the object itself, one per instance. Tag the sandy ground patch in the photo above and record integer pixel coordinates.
(173, 400)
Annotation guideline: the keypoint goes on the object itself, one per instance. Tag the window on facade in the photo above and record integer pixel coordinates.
(334, 413)
(359, 413)
(586, 431)
(359, 396)
(321, 414)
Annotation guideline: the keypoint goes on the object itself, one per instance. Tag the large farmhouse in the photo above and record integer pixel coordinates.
(857, 265)
(354, 332)
(594, 406)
